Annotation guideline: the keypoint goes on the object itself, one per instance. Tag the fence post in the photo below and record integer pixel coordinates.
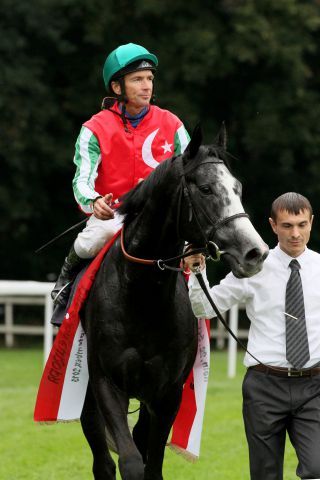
(8, 320)
(220, 334)
(48, 328)
(232, 344)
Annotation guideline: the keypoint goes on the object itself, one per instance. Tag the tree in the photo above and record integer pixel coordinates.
(253, 64)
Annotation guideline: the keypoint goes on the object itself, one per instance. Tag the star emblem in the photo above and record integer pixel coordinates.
(167, 147)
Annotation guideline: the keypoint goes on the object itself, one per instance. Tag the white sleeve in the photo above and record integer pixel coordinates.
(229, 292)
(87, 159)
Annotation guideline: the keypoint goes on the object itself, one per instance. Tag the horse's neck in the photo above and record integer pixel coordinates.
(154, 235)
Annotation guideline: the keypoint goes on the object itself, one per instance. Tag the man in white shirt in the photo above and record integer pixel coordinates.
(278, 397)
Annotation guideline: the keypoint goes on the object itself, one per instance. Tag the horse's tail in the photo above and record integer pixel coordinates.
(127, 373)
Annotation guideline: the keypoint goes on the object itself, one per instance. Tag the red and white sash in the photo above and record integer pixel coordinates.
(187, 427)
(65, 378)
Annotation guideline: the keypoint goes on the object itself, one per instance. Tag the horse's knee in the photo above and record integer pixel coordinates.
(140, 432)
(126, 373)
(131, 467)
(104, 468)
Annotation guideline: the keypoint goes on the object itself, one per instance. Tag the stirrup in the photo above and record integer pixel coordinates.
(55, 300)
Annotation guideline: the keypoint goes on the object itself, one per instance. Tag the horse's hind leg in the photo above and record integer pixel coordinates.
(93, 427)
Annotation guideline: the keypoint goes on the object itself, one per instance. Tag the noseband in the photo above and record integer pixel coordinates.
(211, 249)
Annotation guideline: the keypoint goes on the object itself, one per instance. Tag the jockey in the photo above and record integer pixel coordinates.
(117, 148)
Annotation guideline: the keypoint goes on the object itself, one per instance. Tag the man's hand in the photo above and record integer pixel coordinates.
(101, 207)
(194, 261)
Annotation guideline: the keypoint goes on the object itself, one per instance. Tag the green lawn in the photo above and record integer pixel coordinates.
(34, 452)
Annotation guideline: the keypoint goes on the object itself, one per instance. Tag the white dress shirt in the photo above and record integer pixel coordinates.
(264, 298)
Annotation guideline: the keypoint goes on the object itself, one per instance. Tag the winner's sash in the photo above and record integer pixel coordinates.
(187, 427)
(65, 378)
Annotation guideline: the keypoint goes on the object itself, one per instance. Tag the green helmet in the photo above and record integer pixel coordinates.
(121, 58)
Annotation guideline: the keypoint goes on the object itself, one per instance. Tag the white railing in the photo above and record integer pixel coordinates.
(38, 293)
(26, 293)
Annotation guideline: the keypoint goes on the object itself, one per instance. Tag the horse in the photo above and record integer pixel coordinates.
(141, 331)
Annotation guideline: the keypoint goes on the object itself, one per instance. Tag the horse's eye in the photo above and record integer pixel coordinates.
(205, 189)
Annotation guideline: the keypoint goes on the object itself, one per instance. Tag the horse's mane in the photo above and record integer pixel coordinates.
(133, 202)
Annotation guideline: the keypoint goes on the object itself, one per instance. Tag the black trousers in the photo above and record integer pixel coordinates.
(273, 406)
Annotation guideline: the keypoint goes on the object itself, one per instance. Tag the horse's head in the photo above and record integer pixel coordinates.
(211, 202)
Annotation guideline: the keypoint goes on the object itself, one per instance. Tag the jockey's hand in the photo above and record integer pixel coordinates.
(102, 207)
(194, 261)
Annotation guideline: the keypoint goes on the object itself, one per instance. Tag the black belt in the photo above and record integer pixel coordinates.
(286, 372)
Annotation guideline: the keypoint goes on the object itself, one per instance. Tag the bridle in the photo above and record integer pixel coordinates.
(193, 207)
(211, 249)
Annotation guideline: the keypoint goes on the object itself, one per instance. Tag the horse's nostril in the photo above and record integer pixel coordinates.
(254, 254)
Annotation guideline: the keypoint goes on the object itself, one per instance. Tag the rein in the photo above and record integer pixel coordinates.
(162, 264)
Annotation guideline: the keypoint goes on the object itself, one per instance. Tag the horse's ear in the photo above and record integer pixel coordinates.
(221, 139)
(195, 142)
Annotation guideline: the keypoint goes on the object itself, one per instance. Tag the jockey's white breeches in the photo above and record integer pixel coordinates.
(95, 234)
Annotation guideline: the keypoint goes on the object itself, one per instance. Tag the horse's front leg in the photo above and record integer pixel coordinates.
(93, 426)
(113, 404)
(163, 413)
(140, 431)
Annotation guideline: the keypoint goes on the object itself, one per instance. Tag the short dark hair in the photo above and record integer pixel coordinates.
(292, 202)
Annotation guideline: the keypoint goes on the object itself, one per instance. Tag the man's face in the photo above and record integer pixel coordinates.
(139, 87)
(293, 231)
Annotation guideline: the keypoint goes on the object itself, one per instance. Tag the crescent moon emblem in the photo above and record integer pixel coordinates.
(147, 156)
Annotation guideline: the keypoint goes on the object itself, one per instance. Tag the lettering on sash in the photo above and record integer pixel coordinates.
(203, 353)
(78, 360)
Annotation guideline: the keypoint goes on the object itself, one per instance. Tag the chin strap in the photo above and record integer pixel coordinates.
(109, 102)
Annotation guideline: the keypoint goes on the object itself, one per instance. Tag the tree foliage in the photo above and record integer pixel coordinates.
(252, 63)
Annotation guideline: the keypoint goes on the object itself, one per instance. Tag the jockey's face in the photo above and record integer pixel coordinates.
(139, 87)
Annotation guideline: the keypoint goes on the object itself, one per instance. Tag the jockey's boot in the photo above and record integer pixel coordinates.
(70, 269)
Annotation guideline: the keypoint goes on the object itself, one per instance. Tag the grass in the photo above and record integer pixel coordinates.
(34, 452)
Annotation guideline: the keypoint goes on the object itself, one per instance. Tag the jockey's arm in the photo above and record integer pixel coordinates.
(87, 159)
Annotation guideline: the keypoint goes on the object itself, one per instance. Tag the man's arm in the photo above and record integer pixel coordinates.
(229, 292)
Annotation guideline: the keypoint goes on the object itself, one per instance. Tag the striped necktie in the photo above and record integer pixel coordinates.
(297, 346)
